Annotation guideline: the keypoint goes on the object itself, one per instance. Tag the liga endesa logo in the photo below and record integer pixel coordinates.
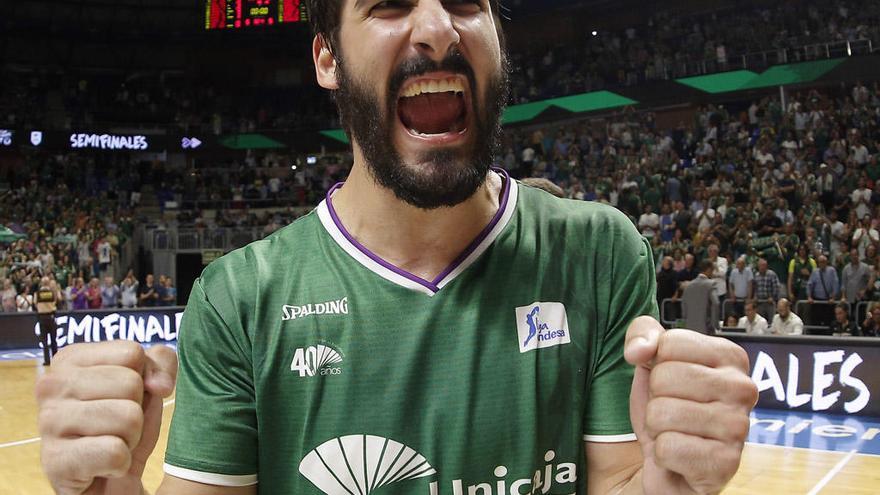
(541, 325)
(366, 463)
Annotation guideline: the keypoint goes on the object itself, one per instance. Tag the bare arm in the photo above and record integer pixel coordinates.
(177, 486)
(614, 468)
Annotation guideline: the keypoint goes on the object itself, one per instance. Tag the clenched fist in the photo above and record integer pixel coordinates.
(100, 415)
(689, 407)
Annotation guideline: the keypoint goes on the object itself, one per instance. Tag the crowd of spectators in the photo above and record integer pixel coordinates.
(70, 231)
(80, 292)
(666, 46)
(783, 200)
(671, 46)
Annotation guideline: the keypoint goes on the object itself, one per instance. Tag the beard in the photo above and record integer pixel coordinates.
(439, 178)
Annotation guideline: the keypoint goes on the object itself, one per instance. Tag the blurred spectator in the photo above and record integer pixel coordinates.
(856, 279)
(699, 301)
(649, 223)
(7, 296)
(93, 294)
(740, 287)
(667, 281)
(129, 290)
(766, 289)
(78, 297)
(149, 292)
(823, 287)
(24, 302)
(841, 326)
(752, 321)
(785, 322)
(800, 269)
(871, 325)
(690, 271)
(169, 295)
(719, 276)
(865, 235)
(110, 293)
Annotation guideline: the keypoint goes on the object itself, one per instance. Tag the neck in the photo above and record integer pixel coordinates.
(422, 242)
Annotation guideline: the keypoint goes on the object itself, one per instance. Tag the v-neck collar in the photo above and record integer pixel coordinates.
(333, 226)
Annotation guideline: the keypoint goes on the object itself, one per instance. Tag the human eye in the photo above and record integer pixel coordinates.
(389, 8)
(464, 7)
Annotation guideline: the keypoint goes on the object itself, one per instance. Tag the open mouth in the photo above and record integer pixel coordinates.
(434, 107)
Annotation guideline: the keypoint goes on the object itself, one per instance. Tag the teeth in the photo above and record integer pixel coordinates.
(433, 86)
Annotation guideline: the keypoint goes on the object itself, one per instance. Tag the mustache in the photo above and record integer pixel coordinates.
(454, 62)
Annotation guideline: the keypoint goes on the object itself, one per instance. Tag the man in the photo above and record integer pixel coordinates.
(667, 287)
(700, 301)
(799, 270)
(649, 223)
(109, 294)
(169, 294)
(752, 321)
(47, 304)
(129, 290)
(871, 325)
(841, 326)
(740, 285)
(785, 322)
(148, 294)
(861, 199)
(690, 270)
(856, 278)
(431, 265)
(824, 286)
(766, 289)
(865, 235)
(719, 276)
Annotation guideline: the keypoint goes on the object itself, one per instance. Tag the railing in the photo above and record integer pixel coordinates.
(764, 59)
(804, 309)
(193, 239)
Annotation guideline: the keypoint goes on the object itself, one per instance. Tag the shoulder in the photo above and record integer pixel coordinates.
(243, 267)
(556, 212)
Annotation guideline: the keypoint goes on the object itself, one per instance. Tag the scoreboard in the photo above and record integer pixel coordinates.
(235, 14)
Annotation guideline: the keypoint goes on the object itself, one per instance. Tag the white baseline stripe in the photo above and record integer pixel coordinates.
(37, 439)
(20, 442)
(831, 474)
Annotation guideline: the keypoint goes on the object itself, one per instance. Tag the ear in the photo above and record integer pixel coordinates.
(325, 63)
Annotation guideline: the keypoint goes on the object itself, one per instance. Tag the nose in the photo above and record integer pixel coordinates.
(433, 32)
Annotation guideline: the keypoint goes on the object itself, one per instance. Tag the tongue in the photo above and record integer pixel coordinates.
(433, 113)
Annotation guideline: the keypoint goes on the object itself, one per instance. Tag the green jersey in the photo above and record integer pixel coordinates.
(309, 365)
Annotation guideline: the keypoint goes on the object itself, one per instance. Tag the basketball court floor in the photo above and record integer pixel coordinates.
(787, 453)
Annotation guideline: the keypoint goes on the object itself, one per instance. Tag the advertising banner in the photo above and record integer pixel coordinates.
(836, 375)
(149, 325)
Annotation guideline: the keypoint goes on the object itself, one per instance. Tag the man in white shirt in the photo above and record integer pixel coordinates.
(719, 275)
(752, 321)
(649, 223)
(739, 284)
(785, 322)
(861, 199)
(864, 236)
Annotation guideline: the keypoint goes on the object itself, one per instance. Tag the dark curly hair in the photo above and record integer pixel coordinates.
(324, 16)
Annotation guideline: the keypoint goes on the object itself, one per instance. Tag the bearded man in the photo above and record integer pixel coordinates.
(432, 327)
